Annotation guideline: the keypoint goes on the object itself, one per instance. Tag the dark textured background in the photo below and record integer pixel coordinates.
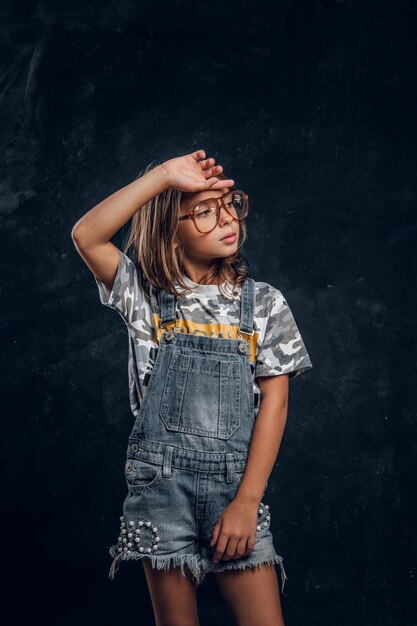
(311, 107)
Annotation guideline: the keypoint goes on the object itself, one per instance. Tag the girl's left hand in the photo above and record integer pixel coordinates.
(235, 530)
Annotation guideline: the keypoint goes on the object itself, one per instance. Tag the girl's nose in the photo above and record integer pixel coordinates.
(224, 214)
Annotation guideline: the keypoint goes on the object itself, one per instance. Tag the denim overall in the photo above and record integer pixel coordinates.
(188, 448)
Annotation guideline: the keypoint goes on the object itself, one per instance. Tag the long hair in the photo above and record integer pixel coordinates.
(150, 245)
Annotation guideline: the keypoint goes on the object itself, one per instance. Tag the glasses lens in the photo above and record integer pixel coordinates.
(238, 202)
(205, 215)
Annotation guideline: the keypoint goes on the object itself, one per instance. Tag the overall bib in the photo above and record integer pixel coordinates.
(188, 448)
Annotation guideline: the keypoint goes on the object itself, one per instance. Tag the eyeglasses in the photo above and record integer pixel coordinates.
(206, 214)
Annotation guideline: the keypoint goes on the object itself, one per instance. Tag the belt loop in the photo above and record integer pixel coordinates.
(230, 467)
(166, 466)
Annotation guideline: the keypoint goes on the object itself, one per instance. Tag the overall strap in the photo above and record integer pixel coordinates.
(167, 303)
(247, 306)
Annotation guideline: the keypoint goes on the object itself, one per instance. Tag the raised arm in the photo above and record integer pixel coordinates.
(92, 233)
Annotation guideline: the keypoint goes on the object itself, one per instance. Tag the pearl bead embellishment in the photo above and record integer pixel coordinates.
(130, 536)
(264, 507)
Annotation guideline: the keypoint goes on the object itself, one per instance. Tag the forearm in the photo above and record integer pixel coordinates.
(104, 220)
(264, 447)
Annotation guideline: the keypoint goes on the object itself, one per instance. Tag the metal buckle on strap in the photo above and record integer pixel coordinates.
(251, 333)
(165, 325)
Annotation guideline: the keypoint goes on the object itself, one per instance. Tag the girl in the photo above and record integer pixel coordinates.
(211, 352)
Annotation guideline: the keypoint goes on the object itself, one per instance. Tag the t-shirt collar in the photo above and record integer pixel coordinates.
(207, 290)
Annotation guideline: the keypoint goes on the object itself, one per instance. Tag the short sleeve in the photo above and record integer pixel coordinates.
(282, 350)
(126, 295)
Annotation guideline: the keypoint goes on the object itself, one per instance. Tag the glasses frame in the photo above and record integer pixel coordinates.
(220, 203)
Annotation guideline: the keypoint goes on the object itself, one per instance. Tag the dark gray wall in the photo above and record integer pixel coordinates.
(311, 108)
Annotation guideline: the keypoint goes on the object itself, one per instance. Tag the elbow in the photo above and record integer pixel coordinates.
(84, 235)
(75, 232)
(78, 235)
(74, 235)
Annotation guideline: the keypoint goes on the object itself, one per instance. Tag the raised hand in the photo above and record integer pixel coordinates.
(189, 173)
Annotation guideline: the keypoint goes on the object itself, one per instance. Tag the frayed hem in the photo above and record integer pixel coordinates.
(192, 561)
(210, 566)
(199, 567)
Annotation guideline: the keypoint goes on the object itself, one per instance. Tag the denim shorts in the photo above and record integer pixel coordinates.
(187, 452)
(171, 508)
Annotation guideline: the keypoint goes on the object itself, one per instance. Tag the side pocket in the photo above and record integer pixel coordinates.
(141, 475)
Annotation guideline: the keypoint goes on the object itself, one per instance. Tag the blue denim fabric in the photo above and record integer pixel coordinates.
(188, 448)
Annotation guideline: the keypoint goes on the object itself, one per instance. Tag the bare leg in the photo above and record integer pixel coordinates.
(252, 595)
(173, 596)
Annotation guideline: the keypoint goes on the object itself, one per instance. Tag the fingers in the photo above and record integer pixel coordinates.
(230, 552)
(250, 544)
(216, 183)
(215, 534)
(229, 547)
(211, 171)
(207, 163)
(198, 154)
(213, 183)
(220, 547)
(209, 168)
(238, 548)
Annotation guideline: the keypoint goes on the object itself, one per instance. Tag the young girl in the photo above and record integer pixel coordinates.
(211, 352)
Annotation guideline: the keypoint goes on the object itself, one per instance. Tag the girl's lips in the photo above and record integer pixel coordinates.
(230, 239)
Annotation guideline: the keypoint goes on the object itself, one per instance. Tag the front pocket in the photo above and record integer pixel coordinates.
(202, 396)
(141, 474)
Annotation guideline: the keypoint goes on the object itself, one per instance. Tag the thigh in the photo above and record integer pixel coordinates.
(252, 595)
(173, 595)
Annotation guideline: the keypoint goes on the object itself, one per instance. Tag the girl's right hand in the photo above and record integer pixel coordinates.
(187, 173)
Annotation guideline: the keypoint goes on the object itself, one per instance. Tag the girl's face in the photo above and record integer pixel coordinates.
(207, 246)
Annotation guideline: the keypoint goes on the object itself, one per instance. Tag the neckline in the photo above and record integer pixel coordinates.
(207, 290)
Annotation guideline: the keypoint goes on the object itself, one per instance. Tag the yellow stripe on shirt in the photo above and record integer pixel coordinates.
(214, 329)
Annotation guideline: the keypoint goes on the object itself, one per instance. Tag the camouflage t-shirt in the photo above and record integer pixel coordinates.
(276, 347)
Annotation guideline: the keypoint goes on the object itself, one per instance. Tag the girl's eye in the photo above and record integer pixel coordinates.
(205, 210)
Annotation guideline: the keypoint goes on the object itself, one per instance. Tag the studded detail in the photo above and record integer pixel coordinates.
(243, 347)
(130, 536)
(134, 447)
(169, 336)
(264, 508)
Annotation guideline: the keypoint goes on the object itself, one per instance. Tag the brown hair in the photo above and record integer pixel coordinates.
(150, 238)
